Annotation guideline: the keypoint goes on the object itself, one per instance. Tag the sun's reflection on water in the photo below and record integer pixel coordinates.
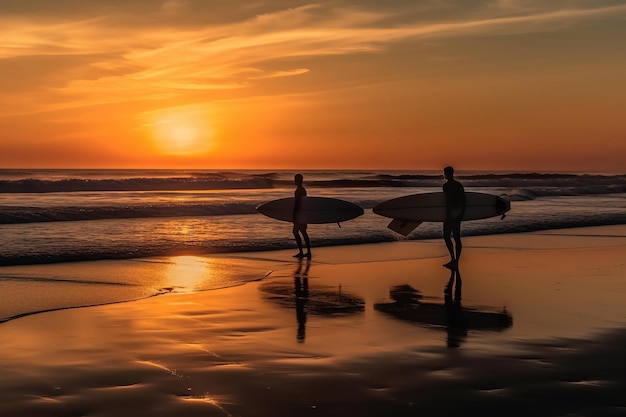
(190, 273)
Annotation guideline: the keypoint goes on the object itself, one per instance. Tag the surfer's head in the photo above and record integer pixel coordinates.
(298, 178)
(448, 172)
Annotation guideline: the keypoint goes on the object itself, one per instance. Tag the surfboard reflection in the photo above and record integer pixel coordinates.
(320, 300)
(408, 304)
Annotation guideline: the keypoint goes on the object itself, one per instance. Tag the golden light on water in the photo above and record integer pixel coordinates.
(189, 273)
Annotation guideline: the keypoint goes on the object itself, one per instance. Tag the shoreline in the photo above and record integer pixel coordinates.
(268, 348)
(76, 271)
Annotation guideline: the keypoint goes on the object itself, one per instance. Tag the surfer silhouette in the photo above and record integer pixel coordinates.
(455, 208)
(298, 227)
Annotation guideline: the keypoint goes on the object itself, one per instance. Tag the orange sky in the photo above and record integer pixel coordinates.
(498, 84)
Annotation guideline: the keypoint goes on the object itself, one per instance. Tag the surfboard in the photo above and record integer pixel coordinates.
(314, 210)
(431, 207)
(410, 211)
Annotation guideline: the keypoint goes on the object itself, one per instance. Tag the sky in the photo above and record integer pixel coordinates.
(327, 84)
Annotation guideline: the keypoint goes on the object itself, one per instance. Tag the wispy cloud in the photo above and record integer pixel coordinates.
(151, 63)
(277, 74)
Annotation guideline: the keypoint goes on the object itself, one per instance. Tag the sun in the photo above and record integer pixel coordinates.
(182, 133)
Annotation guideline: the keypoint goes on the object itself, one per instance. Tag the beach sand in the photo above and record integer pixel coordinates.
(538, 328)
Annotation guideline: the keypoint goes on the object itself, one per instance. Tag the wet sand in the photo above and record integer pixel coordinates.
(538, 327)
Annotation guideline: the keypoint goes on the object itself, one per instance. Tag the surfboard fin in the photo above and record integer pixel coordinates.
(403, 227)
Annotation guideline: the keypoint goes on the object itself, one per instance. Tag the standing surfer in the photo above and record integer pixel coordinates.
(455, 208)
(300, 228)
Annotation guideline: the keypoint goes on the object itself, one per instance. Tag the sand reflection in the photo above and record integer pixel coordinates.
(318, 299)
(409, 304)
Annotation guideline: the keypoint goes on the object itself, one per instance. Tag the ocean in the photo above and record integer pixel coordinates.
(52, 217)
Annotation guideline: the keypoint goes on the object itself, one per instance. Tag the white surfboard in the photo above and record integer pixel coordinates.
(313, 210)
(410, 211)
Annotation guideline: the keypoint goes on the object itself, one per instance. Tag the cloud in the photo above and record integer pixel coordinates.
(277, 74)
(160, 59)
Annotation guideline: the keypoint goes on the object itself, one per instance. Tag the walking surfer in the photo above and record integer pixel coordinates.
(455, 208)
(300, 228)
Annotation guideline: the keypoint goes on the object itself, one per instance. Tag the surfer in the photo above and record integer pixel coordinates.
(455, 208)
(300, 228)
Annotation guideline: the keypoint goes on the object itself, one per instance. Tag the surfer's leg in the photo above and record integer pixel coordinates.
(456, 232)
(296, 235)
(307, 241)
(447, 231)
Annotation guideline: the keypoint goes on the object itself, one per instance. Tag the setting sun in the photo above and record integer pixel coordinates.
(181, 133)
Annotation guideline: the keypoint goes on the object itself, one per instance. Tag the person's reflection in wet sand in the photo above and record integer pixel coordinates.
(410, 305)
(323, 300)
(457, 323)
(301, 288)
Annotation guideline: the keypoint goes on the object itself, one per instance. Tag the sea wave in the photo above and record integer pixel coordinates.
(531, 193)
(74, 249)
(125, 208)
(22, 214)
(540, 184)
(30, 185)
